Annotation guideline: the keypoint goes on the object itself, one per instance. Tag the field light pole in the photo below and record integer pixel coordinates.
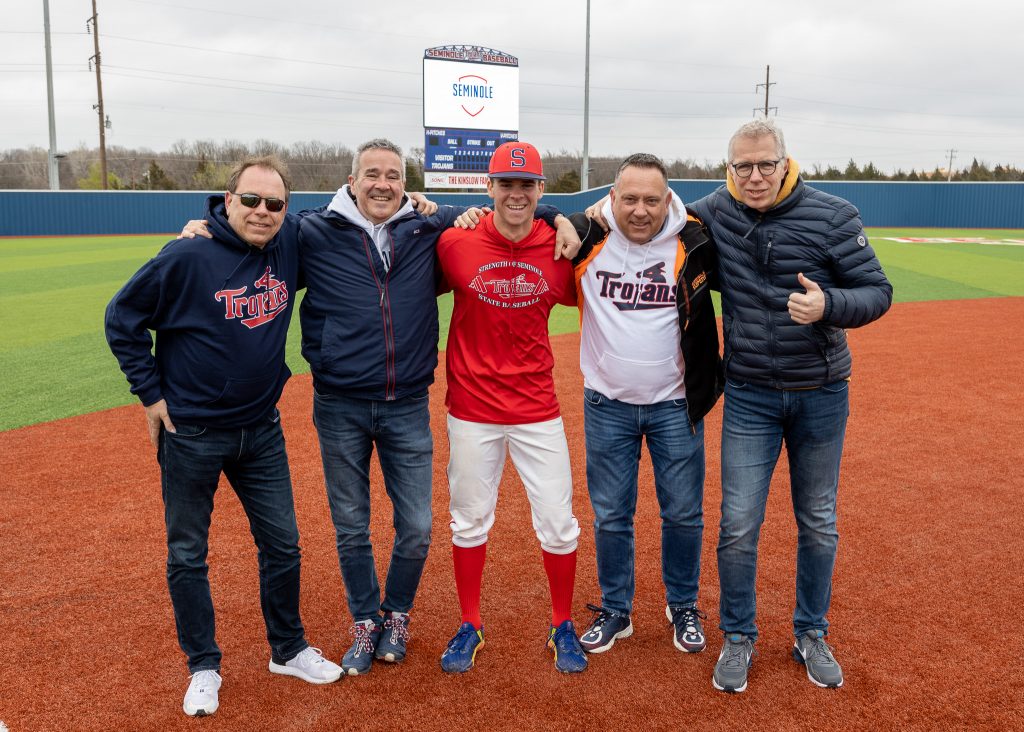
(585, 171)
(51, 156)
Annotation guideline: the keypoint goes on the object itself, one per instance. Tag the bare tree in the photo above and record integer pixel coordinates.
(324, 166)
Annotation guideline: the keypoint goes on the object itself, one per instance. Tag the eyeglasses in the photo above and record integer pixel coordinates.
(745, 170)
(251, 200)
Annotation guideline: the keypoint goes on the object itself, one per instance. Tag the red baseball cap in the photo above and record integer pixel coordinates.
(516, 160)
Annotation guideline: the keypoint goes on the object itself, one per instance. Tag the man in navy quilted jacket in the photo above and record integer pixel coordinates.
(796, 271)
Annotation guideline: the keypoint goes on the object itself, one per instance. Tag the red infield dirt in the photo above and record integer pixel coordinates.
(925, 618)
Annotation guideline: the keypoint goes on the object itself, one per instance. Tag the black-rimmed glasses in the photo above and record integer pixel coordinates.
(745, 170)
(251, 200)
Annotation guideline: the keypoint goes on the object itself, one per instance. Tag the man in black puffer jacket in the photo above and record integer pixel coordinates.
(795, 270)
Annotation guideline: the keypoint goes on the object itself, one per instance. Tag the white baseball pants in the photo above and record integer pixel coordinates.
(541, 457)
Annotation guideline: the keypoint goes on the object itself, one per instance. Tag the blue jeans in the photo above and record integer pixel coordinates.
(757, 420)
(349, 429)
(256, 465)
(614, 433)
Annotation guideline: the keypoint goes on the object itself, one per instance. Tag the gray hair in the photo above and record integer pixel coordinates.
(377, 143)
(268, 162)
(643, 160)
(757, 129)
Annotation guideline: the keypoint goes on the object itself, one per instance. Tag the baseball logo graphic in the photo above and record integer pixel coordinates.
(509, 284)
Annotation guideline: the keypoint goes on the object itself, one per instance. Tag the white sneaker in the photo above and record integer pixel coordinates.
(310, 665)
(201, 697)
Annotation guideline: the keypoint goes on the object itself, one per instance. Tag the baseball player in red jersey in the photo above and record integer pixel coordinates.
(501, 396)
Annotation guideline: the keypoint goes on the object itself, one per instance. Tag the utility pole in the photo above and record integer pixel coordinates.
(949, 170)
(99, 93)
(767, 85)
(51, 156)
(585, 171)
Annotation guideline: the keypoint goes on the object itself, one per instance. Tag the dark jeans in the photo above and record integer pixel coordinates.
(614, 434)
(757, 420)
(256, 466)
(349, 429)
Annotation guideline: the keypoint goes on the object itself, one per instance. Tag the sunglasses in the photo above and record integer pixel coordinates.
(251, 200)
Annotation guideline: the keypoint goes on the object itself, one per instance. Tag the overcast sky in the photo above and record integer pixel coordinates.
(896, 82)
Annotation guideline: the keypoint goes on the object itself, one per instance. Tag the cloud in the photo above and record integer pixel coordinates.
(898, 83)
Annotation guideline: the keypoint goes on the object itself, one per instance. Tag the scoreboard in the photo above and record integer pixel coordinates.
(470, 107)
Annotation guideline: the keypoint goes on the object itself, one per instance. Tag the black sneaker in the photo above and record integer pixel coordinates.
(687, 631)
(811, 650)
(606, 628)
(733, 663)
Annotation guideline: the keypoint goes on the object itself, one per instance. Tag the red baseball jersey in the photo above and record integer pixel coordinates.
(499, 359)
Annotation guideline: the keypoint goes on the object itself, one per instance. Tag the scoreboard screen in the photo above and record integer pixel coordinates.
(464, 151)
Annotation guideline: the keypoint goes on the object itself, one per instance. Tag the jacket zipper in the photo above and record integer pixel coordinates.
(687, 256)
(389, 326)
(385, 314)
(767, 294)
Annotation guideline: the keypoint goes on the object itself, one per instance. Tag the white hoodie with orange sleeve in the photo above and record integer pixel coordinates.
(629, 334)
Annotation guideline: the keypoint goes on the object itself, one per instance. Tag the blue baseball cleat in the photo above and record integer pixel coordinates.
(460, 654)
(569, 655)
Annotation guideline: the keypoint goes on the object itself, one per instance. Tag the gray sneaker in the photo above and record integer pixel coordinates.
(813, 652)
(733, 663)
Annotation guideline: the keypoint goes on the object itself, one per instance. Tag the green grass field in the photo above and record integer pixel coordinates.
(55, 361)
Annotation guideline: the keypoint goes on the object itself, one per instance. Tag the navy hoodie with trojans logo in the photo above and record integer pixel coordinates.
(220, 309)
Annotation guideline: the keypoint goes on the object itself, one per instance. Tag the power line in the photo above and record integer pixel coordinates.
(897, 111)
(265, 57)
(903, 130)
(265, 91)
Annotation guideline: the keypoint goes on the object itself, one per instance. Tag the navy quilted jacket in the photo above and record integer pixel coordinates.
(759, 257)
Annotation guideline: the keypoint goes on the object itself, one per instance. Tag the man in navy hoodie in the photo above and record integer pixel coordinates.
(221, 311)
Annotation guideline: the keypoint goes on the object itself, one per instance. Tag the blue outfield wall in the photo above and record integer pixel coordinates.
(66, 213)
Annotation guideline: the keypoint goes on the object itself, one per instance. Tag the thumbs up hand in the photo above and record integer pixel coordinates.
(809, 307)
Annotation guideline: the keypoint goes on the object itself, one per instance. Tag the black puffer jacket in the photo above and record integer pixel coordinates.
(759, 257)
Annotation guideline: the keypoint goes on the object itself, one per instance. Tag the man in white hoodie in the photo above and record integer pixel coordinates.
(649, 356)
